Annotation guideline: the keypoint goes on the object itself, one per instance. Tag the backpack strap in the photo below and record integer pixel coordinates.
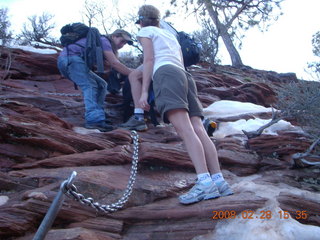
(177, 35)
(94, 38)
(166, 25)
(79, 45)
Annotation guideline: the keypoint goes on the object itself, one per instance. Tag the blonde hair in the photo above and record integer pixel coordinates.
(149, 15)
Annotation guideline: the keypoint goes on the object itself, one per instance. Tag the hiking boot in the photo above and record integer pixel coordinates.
(134, 124)
(199, 192)
(108, 121)
(101, 126)
(224, 189)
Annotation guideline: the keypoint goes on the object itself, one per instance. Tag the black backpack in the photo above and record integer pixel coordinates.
(114, 81)
(92, 53)
(71, 33)
(191, 49)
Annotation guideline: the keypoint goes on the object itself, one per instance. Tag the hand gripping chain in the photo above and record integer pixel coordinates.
(70, 190)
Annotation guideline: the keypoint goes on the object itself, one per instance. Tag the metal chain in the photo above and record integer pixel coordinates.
(52, 93)
(64, 94)
(71, 190)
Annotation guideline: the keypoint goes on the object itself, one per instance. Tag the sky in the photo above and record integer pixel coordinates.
(285, 47)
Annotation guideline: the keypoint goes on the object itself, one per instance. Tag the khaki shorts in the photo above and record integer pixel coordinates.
(175, 89)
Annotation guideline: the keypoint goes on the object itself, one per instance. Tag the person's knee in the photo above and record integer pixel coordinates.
(179, 129)
(135, 76)
(104, 86)
(198, 127)
(199, 130)
(180, 122)
(132, 75)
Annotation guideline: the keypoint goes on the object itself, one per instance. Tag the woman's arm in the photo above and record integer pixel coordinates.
(148, 62)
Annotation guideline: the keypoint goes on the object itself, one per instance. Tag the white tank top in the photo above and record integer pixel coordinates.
(166, 47)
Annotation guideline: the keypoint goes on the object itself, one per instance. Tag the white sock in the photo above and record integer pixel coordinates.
(139, 110)
(139, 113)
(217, 178)
(204, 178)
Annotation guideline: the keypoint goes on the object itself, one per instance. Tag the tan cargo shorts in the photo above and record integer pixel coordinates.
(175, 89)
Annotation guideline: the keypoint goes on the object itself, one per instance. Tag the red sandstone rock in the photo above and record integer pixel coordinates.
(39, 149)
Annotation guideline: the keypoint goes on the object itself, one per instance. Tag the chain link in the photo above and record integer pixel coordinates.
(51, 93)
(71, 190)
(64, 94)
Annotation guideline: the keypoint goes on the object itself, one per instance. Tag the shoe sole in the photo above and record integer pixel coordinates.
(204, 197)
(226, 193)
(212, 195)
(100, 129)
(139, 128)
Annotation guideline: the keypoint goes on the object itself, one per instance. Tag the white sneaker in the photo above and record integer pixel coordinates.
(199, 192)
(224, 189)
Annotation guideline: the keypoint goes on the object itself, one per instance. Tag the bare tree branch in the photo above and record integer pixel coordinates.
(275, 118)
(299, 158)
(38, 29)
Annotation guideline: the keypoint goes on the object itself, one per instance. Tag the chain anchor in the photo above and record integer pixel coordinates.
(68, 188)
(54, 209)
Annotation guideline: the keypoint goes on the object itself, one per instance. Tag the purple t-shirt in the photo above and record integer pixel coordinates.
(75, 49)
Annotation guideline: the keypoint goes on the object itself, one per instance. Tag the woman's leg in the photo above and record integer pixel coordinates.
(210, 151)
(136, 122)
(211, 157)
(181, 122)
(135, 79)
(204, 188)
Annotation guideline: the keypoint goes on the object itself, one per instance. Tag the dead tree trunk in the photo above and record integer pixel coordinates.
(223, 32)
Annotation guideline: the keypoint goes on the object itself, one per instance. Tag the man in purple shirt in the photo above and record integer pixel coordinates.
(94, 89)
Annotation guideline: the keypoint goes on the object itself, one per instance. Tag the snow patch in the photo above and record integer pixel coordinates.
(3, 200)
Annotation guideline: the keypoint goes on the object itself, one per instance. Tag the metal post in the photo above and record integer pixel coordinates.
(54, 209)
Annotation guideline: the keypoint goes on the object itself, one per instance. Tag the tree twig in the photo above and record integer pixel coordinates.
(299, 158)
(275, 118)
